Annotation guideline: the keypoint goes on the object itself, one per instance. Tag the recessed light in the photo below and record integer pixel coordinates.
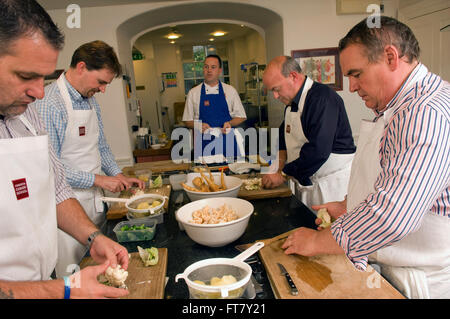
(219, 33)
(173, 42)
(173, 36)
(212, 39)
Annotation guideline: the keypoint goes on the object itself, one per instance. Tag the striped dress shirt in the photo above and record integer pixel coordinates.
(53, 112)
(12, 127)
(415, 171)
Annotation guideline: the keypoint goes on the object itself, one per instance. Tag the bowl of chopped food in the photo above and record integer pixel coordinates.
(140, 206)
(215, 222)
(207, 185)
(135, 230)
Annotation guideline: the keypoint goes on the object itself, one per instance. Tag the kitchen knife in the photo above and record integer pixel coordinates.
(294, 290)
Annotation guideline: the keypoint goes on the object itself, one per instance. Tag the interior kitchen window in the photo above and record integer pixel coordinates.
(193, 70)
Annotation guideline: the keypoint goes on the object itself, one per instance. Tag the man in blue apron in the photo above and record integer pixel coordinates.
(36, 199)
(212, 109)
(316, 146)
(397, 211)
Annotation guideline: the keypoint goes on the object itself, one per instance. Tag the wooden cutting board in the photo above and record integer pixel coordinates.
(281, 191)
(142, 282)
(320, 277)
(118, 210)
(157, 167)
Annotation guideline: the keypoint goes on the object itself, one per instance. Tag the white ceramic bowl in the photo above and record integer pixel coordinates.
(216, 235)
(232, 183)
(151, 211)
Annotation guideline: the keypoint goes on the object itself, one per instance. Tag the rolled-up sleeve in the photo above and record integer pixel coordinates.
(108, 162)
(188, 113)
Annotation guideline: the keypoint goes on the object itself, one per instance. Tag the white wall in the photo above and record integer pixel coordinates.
(145, 75)
(314, 24)
(305, 24)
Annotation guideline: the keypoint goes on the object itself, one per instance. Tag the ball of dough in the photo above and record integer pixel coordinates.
(143, 205)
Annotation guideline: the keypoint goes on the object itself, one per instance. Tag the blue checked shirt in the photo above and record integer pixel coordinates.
(54, 115)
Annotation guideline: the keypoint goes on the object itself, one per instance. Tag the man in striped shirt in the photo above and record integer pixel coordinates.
(397, 210)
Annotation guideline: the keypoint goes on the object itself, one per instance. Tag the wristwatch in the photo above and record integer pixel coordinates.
(92, 237)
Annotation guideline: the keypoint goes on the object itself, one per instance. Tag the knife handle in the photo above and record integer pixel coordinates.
(294, 290)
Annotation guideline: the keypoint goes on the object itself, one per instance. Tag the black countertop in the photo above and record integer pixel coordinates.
(271, 217)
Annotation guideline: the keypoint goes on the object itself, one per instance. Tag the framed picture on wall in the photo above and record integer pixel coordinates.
(321, 65)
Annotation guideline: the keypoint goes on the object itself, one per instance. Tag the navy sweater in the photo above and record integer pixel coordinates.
(327, 128)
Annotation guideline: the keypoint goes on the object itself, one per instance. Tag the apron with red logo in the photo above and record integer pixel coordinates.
(28, 228)
(80, 151)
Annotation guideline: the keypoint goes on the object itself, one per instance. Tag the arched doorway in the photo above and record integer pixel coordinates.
(268, 23)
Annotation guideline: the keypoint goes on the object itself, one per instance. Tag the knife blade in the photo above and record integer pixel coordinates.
(293, 288)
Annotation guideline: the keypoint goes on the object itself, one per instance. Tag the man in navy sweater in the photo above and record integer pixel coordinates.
(316, 146)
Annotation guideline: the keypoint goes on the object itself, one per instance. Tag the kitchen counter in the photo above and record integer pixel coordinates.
(271, 217)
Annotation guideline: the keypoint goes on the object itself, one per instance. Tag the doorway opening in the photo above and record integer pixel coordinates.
(166, 69)
(264, 22)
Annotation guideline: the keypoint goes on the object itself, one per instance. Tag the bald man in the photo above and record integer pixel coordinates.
(316, 146)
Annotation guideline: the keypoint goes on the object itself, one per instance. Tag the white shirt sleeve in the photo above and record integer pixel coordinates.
(190, 106)
(235, 106)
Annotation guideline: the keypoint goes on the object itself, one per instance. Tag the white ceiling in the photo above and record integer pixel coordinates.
(62, 4)
(192, 33)
(198, 33)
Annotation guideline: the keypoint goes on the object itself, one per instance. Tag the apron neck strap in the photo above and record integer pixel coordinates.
(28, 124)
(308, 84)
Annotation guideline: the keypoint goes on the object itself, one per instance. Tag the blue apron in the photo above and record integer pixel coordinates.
(214, 111)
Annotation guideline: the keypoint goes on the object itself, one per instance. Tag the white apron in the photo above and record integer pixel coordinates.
(28, 248)
(331, 180)
(417, 265)
(80, 151)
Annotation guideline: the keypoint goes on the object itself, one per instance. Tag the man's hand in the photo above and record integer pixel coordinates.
(129, 181)
(226, 128)
(272, 180)
(117, 183)
(301, 242)
(205, 126)
(334, 209)
(104, 249)
(109, 183)
(84, 284)
(310, 242)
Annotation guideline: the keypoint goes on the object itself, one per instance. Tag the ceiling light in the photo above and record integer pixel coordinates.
(218, 33)
(173, 36)
(212, 39)
(173, 42)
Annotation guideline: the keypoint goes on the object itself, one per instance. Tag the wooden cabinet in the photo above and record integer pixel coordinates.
(151, 155)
